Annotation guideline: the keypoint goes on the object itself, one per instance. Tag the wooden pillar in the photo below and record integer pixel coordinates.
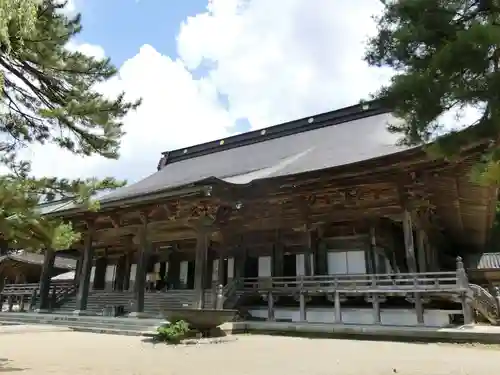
(208, 281)
(200, 266)
(141, 269)
(84, 282)
(47, 270)
(463, 283)
(126, 271)
(220, 269)
(78, 269)
(409, 244)
(239, 261)
(321, 254)
(422, 262)
(278, 254)
(308, 271)
(372, 253)
(173, 272)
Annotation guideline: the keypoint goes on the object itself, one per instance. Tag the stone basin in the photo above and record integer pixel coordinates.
(202, 320)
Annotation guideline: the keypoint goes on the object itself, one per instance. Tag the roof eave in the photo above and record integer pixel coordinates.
(136, 199)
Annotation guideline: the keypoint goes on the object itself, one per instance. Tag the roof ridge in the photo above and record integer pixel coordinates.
(336, 117)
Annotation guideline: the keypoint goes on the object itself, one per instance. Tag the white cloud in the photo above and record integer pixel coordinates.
(273, 60)
(279, 60)
(71, 6)
(87, 49)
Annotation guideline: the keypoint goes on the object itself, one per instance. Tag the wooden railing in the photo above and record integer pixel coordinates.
(61, 292)
(18, 293)
(230, 288)
(19, 289)
(358, 283)
(484, 302)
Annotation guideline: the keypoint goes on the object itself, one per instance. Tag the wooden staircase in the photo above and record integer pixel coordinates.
(154, 302)
(26, 296)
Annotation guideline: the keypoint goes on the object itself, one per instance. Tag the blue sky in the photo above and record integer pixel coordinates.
(121, 27)
(209, 69)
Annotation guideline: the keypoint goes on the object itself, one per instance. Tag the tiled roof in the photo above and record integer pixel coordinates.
(484, 261)
(32, 258)
(65, 276)
(324, 141)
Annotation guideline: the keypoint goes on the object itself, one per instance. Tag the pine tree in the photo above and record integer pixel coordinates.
(446, 55)
(49, 98)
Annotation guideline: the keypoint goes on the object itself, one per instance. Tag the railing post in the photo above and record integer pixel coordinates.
(338, 308)
(32, 300)
(10, 302)
(463, 284)
(302, 307)
(419, 307)
(270, 306)
(220, 298)
(302, 301)
(214, 294)
(53, 298)
(21, 303)
(377, 319)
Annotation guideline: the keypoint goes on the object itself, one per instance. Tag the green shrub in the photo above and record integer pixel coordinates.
(173, 332)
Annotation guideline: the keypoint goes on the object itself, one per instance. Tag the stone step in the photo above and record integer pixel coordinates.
(127, 326)
(110, 331)
(76, 318)
(153, 303)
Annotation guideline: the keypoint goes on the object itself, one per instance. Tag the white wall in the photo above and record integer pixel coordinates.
(300, 266)
(110, 273)
(92, 277)
(346, 262)
(133, 270)
(183, 273)
(215, 270)
(230, 268)
(391, 317)
(265, 266)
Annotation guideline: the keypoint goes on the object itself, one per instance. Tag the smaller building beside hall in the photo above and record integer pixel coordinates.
(24, 267)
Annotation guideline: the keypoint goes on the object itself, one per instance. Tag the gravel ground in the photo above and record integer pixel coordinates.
(75, 353)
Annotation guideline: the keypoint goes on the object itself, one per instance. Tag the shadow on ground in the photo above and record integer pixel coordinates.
(4, 366)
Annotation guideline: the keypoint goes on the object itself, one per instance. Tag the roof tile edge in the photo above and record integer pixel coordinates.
(336, 117)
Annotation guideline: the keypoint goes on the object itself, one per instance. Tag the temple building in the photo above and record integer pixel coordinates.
(23, 267)
(322, 219)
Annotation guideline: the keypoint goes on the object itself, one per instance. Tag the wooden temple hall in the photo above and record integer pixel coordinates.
(322, 219)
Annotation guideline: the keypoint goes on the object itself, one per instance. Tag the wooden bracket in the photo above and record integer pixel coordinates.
(115, 220)
(223, 214)
(144, 216)
(89, 223)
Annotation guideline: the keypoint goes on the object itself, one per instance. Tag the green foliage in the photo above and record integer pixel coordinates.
(446, 55)
(17, 15)
(173, 333)
(48, 97)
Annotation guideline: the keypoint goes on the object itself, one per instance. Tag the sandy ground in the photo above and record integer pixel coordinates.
(42, 351)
